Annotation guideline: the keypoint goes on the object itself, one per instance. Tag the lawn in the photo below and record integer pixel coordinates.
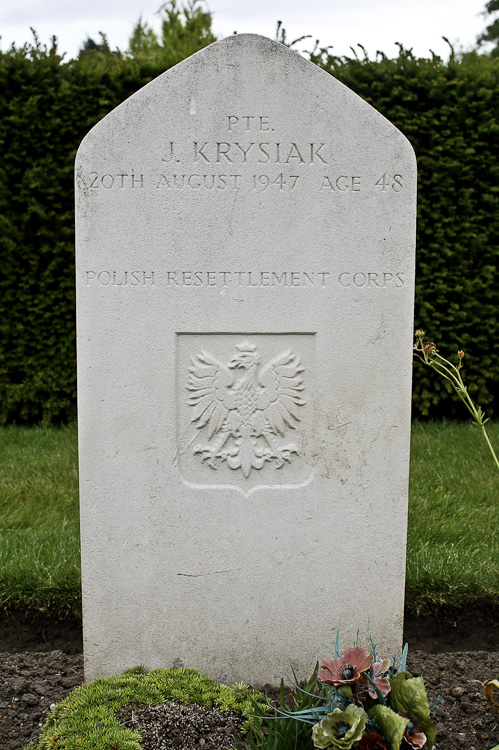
(39, 523)
(453, 544)
(453, 550)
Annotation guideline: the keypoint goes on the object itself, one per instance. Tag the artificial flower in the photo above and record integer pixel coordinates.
(377, 674)
(372, 741)
(414, 737)
(340, 729)
(346, 670)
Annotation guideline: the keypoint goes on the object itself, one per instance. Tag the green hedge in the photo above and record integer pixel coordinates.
(46, 108)
(449, 111)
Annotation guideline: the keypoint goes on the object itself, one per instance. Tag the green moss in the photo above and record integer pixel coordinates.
(87, 717)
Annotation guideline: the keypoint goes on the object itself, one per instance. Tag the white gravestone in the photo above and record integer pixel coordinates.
(245, 275)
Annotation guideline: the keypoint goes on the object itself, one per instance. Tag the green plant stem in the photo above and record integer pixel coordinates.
(491, 448)
(450, 372)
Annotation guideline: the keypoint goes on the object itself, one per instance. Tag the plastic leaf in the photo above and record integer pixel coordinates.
(337, 652)
(392, 725)
(489, 693)
(403, 661)
(408, 696)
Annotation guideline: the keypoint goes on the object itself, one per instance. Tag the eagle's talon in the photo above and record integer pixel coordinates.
(206, 455)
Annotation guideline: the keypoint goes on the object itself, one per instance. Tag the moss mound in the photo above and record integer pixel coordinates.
(87, 718)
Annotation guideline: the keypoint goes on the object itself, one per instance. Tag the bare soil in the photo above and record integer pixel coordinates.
(455, 651)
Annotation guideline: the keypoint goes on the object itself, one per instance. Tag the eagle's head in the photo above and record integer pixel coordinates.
(246, 356)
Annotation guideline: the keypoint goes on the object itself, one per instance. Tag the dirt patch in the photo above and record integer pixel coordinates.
(29, 684)
(473, 628)
(172, 726)
(434, 631)
(38, 676)
(39, 631)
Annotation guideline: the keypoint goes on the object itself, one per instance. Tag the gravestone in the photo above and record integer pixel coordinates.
(245, 275)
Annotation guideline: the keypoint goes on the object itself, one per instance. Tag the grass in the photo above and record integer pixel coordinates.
(453, 548)
(39, 523)
(453, 552)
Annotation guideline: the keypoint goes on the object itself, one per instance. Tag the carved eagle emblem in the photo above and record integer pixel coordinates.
(243, 409)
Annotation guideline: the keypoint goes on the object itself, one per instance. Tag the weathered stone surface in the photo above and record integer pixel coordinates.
(245, 273)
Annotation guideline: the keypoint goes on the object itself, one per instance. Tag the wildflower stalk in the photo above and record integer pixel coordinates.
(427, 353)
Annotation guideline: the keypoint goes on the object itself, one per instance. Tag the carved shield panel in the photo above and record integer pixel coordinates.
(245, 406)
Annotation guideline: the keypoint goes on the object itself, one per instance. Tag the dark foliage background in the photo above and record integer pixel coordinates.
(448, 110)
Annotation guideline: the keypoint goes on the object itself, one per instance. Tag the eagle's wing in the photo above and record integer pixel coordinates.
(209, 381)
(281, 399)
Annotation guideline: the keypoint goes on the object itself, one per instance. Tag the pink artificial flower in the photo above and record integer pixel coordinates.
(377, 674)
(372, 741)
(348, 669)
(414, 737)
